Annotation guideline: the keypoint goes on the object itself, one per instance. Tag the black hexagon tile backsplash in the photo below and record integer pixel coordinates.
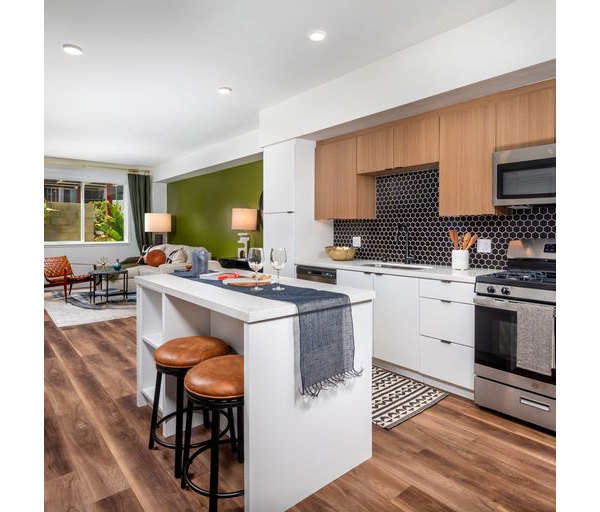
(412, 199)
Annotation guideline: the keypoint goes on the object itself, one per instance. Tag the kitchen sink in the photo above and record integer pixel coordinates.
(401, 266)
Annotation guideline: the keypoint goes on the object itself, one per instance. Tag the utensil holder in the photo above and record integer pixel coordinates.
(460, 259)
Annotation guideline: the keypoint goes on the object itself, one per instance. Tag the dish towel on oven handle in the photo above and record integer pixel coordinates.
(323, 334)
(536, 345)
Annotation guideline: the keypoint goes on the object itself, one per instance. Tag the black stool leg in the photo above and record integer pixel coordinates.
(154, 409)
(188, 440)
(205, 418)
(214, 462)
(240, 431)
(231, 422)
(179, 427)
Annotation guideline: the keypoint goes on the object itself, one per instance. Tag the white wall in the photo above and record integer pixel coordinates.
(238, 150)
(517, 36)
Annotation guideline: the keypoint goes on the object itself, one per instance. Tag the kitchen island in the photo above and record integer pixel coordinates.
(293, 445)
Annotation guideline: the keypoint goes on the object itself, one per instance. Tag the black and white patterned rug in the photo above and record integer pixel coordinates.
(395, 398)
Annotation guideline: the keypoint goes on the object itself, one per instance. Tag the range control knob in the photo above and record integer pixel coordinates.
(491, 289)
(505, 290)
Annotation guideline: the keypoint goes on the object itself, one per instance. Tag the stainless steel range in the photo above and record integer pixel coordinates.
(515, 334)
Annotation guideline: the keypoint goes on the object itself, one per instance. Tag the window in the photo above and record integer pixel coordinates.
(76, 211)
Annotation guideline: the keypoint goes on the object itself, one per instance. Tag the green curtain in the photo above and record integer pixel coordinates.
(140, 198)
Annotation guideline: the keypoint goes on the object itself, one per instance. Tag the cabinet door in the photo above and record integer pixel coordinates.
(397, 320)
(362, 280)
(447, 361)
(374, 151)
(417, 142)
(341, 193)
(526, 119)
(335, 180)
(467, 141)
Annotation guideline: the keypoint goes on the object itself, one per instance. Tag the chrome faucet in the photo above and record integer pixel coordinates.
(407, 256)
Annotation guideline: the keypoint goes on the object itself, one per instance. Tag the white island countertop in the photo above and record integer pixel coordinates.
(441, 272)
(245, 307)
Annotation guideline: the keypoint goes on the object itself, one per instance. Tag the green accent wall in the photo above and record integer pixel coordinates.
(202, 208)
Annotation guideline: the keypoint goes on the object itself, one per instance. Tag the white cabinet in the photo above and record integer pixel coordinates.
(447, 320)
(447, 331)
(447, 290)
(279, 231)
(278, 177)
(446, 361)
(363, 280)
(397, 320)
(422, 325)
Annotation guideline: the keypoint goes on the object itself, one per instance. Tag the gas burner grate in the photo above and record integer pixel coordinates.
(525, 275)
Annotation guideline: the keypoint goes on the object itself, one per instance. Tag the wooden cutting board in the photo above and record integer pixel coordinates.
(246, 283)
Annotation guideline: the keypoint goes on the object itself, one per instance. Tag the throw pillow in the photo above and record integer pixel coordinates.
(144, 256)
(156, 257)
(177, 256)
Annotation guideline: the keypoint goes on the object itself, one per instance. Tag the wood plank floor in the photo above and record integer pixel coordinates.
(452, 457)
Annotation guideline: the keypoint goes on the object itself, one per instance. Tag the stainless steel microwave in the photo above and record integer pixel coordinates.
(525, 176)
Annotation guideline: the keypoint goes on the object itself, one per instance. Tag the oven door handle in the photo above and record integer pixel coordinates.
(490, 302)
(506, 305)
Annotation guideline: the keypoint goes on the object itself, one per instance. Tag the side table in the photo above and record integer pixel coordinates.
(106, 291)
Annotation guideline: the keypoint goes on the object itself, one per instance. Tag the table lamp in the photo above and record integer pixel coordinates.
(157, 223)
(243, 219)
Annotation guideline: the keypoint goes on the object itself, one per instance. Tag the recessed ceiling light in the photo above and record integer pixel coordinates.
(72, 49)
(317, 35)
(225, 90)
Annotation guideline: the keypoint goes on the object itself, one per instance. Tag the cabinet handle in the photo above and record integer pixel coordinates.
(445, 281)
(446, 301)
(446, 341)
(534, 404)
(377, 274)
(367, 273)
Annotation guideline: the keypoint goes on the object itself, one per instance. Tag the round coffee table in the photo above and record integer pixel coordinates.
(106, 292)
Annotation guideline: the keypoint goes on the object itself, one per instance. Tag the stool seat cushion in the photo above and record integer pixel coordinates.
(189, 351)
(220, 377)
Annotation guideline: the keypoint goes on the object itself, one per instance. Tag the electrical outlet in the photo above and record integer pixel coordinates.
(355, 241)
(484, 245)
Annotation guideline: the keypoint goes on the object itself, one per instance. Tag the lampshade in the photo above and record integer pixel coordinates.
(157, 222)
(243, 219)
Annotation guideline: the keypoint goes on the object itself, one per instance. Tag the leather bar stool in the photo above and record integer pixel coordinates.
(217, 385)
(176, 357)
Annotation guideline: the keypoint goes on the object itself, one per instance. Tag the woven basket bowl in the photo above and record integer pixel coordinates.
(338, 253)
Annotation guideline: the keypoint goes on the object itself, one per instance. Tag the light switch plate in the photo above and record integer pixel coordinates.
(355, 241)
(484, 245)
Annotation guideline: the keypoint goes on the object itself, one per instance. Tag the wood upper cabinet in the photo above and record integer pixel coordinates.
(417, 141)
(341, 193)
(526, 117)
(467, 141)
(374, 151)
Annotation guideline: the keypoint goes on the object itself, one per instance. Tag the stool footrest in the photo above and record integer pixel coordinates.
(166, 444)
(200, 490)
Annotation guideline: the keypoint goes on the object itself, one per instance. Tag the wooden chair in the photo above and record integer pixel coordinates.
(58, 272)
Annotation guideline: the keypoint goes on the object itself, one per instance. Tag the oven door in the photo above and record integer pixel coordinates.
(496, 339)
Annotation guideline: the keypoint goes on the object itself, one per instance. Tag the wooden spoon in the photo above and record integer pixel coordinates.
(453, 237)
(472, 241)
(466, 239)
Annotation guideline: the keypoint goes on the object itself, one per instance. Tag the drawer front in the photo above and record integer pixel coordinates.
(447, 290)
(446, 361)
(449, 321)
(531, 407)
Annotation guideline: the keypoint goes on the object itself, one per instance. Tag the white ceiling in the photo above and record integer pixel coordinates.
(144, 91)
